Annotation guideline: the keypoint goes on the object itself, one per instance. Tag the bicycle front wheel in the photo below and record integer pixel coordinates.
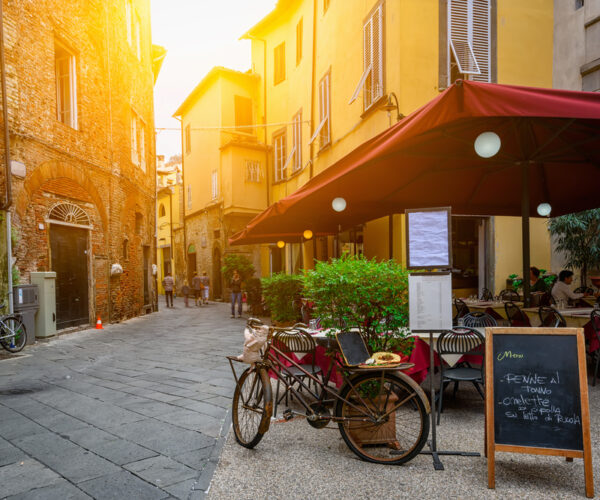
(384, 418)
(252, 407)
(14, 333)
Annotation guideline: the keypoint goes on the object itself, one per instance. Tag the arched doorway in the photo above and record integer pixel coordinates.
(217, 279)
(69, 230)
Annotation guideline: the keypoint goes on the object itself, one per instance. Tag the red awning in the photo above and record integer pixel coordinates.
(428, 159)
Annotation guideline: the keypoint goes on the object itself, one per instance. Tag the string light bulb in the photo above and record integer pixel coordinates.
(308, 234)
(281, 243)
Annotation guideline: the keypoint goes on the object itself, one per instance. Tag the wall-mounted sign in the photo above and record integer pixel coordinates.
(429, 239)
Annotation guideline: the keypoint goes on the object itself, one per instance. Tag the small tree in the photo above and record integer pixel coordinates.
(362, 293)
(240, 262)
(281, 292)
(578, 239)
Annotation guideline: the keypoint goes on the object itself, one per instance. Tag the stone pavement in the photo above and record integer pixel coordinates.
(138, 410)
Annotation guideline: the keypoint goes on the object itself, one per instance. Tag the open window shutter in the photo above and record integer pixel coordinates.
(377, 51)
(481, 38)
(368, 61)
(461, 36)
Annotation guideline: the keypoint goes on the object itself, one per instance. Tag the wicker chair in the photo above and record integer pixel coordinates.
(508, 294)
(295, 342)
(460, 340)
(550, 317)
(515, 316)
(478, 319)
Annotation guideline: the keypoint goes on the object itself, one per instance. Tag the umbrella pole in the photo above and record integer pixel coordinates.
(525, 231)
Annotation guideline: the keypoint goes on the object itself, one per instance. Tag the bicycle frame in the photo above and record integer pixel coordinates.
(4, 327)
(273, 361)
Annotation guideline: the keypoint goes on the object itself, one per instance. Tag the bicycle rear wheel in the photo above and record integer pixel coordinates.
(252, 407)
(386, 418)
(15, 334)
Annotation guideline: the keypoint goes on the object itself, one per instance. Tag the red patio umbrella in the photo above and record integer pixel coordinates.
(550, 153)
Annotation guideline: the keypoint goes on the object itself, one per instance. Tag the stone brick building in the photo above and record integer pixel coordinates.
(80, 101)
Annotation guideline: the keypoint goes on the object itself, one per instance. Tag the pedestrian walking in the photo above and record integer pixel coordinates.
(197, 286)
(185, 291)
(168, 284)
(236, 293)
(206, 284)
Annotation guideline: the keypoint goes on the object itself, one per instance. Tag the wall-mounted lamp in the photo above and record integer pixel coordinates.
(544, 209)
(338, 204)
(390, 106)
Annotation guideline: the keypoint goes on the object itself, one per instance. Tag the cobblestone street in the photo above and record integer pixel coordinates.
(138, 410)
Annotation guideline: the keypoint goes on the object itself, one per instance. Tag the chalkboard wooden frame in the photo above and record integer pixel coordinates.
(492, 447)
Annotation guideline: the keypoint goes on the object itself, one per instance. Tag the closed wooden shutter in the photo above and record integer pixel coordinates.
(481, 39)
(279, 62)
(373, 57)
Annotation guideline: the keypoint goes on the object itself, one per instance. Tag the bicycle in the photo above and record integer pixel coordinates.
(13, 335)
(382, 414)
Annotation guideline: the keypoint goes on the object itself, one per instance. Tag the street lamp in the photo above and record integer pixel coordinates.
(389, 106)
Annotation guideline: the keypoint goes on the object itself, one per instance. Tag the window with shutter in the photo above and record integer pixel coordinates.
(215, 185)
(371, 81)
(134, 139)
(469, 40)
(324, 111)
(189, 196)
(66, 88)
(279, 155)
(252, 171)
(297, 141)
(279, 64)
(299, 33)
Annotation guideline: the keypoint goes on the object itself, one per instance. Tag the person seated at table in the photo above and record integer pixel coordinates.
(537, 284)
(562, 289)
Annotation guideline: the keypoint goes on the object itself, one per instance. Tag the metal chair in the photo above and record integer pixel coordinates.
(515, 316)
(300, 343)
(509, 294)
(584, 289)
(461, 310)
(460, 340)
(550, 317)
(547, 299)
(595, 320)
(478, 319)
(486, 294)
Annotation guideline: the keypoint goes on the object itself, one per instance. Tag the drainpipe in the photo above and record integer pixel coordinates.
(171, 257)
(8, 199)
(312, 87)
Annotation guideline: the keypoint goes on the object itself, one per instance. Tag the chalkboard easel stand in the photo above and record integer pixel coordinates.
(433, 451)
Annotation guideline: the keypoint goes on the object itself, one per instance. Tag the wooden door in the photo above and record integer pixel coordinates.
(68, 246)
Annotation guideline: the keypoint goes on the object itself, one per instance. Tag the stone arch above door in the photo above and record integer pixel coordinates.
(69, 214)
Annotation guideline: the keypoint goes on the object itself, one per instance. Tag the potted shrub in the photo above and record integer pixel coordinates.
(281, 292)
(369, 295)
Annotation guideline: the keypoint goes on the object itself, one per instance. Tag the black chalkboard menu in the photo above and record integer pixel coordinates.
(536, 395)
(536, 391)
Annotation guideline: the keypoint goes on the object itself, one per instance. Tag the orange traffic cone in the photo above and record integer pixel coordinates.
(99, 324)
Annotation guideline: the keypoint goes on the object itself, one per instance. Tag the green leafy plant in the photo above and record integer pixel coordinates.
(578, 239)
(281, 292)
(240, 262)
(362, 293)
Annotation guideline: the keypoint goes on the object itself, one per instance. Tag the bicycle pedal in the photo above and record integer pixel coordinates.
(287, 415)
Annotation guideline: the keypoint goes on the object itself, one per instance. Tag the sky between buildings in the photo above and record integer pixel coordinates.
(198, 34)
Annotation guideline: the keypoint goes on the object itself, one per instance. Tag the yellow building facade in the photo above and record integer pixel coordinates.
(169, 220)
(326, 70)
(224, 170)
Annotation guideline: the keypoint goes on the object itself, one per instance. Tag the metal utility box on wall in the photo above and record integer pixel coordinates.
(25, 301)
(45, 325)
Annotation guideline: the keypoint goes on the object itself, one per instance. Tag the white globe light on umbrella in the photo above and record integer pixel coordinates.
(487, 144)
(544, 209)
(308, 234)
(339, 204)
(281, 243)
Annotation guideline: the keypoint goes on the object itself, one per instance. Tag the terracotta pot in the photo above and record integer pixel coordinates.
(370, 435)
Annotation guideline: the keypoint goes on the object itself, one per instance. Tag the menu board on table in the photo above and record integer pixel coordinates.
(428, 238)
(430, 302)
(536, 394)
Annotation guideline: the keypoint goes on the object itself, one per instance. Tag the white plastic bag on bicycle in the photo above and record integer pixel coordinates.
(254, 339)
